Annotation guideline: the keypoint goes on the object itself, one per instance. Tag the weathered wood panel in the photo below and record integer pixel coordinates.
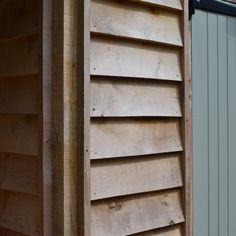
(19, 57)
(19, 17)
(109, 98)
(167, 231)
(129, 137)
(8, 232)
(135, 175)
(110, 57)
(170, 4)
(19, 95)
(132, 20)
(19, 212)
(19, 134)
(124, 216)
(19, 173)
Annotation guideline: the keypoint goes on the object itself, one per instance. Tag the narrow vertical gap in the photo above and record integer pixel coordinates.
(227, 76)
(218, 128)
(208, 125)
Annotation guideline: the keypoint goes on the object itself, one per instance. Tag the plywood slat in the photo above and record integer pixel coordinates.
(19, 212)
(171, 4)
(167, 231)
(135, 21)
(112, 57)
(124, 216)
(129, 137)
(19, 95)
(19, 17)
(123, 177)
(110, 98)
(19, 173)
(8, 232)
(19, 57)
(19, 134)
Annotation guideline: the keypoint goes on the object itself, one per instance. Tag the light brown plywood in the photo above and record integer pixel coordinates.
(168, 231)
(19, 212)
(124, 216)
(132, 20)
(19, 57)
(170, 4)
(19, 173)
(123, 97)
(19, 134)
(19, 95)
(112, 57)
(129, 137)
(135, 175)
(19, 17)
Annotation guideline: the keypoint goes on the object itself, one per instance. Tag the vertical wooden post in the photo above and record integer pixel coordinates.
(187, 121)
(70, 118)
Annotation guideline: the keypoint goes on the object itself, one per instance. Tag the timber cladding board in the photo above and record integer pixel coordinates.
(19, 95)
(134, 214)
(117, 57)
(18, 17)
(19, 212)
(19, 173)
(145, 98)
(169, 4)
(19, 134)
(19, 57)
(132, 20)
(117, 177)
(130, 137)
(8, 232)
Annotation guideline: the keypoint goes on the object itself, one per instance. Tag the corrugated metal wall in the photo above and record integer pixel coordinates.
(214, 124)
(136, 144)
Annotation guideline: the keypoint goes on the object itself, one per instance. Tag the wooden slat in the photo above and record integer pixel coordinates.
(112, 57)
(145, 98)
(132, 20)
(19, 173)
(19, 134)
(19, 17)
(19, 95)
(124, 216)
(19, 57)
(129, 137)
(19, 212)
(167, 231)
(8, 232)
(170, 4)
(123, 177)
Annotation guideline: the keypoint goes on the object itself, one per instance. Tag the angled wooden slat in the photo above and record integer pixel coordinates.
(19, 134)
(113, 57)
(19, 57)
(169, 4)
(19, 95)
(129, 215)
(19, 173)
(167, 231)
(129, 137)
(8, 232)
(19, 17)
(110, 98)
(135, 175)
(19, 212)
(127, 19)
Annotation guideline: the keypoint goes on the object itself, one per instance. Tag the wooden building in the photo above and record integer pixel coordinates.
(95, 121)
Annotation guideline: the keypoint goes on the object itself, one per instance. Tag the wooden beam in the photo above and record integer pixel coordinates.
(70, 118)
